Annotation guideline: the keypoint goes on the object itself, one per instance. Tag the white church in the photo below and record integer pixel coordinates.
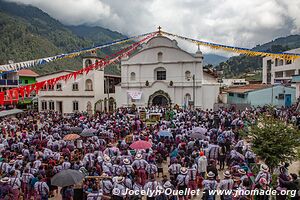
(159, 74)
(163, 74)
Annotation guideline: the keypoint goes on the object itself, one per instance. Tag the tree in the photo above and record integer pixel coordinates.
(275, 141)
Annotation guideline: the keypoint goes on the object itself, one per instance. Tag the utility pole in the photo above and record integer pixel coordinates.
(194, 91)
(107, 89)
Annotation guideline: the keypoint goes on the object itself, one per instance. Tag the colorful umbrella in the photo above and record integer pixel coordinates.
(70, 137)
(141, 144)
(165, 134)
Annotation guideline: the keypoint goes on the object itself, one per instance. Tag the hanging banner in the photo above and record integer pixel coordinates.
(136, 95)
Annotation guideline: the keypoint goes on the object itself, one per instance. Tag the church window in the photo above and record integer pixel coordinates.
(188, 75)
(88, 62)
(44, 105)
(88, 85)
(132, 76)
(51, 105)
(75, 105)
(75, 87)
(159, 56)
(160, 74)
(58, 87)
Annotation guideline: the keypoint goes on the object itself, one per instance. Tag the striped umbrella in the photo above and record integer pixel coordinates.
(70, 137)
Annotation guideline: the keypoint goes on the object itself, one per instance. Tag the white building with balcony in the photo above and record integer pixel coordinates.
(279, 70)
(88, 93)
(163, 74)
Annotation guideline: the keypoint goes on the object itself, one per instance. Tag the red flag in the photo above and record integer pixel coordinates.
(2, 98)
(22, 92)
(9, 96)
(39, 86)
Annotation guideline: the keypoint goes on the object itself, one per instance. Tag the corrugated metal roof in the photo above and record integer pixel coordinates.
(247, 88)
(5, 113)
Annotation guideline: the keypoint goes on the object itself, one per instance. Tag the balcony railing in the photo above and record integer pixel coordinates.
(8, 82)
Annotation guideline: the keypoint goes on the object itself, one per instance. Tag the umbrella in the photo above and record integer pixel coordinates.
(197, 136)
(67, 177)
(88, 132)
(141, 144)
(76, 129)
(165, 134)
(71, 137)
(199, 130)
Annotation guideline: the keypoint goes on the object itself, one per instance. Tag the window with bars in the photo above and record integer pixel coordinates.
(58, 87)
(161, 75)
(51, 105)
(75, 87)
(50, 87)
(75, 106)
(44, 105)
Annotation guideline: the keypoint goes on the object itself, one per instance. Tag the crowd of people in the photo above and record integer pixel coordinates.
(202, 151)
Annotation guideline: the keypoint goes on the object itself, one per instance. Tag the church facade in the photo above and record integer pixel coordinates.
(163, 74)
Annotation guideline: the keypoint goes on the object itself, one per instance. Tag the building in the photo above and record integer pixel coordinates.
(234, 82)
(27, 76)
(262, 94)
(9, 81)
(296, 81)
(16, 79)
(88, 93)
(279, 70)
(163, 74)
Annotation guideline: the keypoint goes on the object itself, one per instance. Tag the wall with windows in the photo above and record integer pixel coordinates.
(69, 105)
(25, 80)
(279, 70)
(275, 95)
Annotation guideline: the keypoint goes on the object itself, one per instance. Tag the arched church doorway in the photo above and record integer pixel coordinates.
(159, 98)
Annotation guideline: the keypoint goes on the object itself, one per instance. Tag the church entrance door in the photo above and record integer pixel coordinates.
(160, 100)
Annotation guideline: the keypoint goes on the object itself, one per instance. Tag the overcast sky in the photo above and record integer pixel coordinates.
(233, 22)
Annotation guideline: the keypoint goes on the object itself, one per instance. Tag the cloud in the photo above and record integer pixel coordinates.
(244, 23)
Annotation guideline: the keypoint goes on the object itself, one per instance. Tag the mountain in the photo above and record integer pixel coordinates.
(213, 59)
(291, 41)
(238, 66)
(27, 32)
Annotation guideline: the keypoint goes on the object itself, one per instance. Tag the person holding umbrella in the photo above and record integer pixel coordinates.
(67, 193)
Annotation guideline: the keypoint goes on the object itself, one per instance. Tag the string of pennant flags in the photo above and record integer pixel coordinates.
(8, 68)
(12, 95)
(239, 50)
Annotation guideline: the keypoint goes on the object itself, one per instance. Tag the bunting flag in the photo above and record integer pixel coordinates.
(239, 50)
(13, 94)
(8, 68)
